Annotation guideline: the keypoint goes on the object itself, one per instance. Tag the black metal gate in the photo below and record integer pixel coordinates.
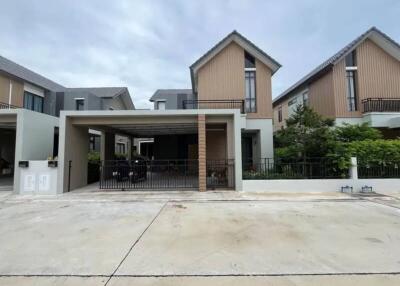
(149, 174)
(220, 174)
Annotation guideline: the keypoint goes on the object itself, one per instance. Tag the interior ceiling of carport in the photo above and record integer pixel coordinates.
(155, 129)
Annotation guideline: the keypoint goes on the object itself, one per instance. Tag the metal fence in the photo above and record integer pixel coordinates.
(149, 174)
(7, 106)
(380, 105)
(387, 170)
(309, 168)
(220, 174)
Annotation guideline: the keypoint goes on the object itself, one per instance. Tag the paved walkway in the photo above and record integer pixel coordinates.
(191, 238)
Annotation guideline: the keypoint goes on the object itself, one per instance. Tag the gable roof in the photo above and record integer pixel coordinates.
(242, 41)
(107, 92)
(160, 93)
(100, 91)
(377, 36)
(25, 74)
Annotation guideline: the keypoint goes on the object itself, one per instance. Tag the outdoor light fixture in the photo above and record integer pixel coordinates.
(347, 189)
(366, 189)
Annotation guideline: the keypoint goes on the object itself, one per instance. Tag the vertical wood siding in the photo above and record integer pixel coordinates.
(263, 92)
(321, 97)
(223, 78)
(378, 76)
(378, 72)
(17, 91)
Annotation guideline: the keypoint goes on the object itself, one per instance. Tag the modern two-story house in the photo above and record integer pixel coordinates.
(234, 74)
(360, 83)
(30, 105)
(198, 135)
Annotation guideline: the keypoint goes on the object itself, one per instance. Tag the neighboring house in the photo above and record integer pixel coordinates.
(196, 138)
(360, 83)
(171, 98)
(30, 105)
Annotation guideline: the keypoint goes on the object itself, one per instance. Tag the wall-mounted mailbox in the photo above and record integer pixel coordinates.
(52, 164)
(23, 164)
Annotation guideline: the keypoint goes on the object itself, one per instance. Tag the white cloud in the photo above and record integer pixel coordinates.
(147, 45)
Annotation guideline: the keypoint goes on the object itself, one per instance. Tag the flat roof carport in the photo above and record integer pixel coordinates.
(74, 126)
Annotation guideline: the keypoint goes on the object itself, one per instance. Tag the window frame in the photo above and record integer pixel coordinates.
(30, 100)
(162, 101)
(78, 102)
(351, 93)
(250, 75)
(280, 117)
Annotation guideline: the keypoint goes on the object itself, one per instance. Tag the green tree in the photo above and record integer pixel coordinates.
(349, 133)
(307, 134)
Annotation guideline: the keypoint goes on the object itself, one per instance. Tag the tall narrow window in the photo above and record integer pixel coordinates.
(351, 73)
(351, 91)
(79, 104)
(280, 114)
(250, 80)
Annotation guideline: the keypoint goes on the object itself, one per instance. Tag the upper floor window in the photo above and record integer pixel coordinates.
(160, 105)
(351, 74)
(351, 59)
(305, 98)
(280, 114)
(351, 90)
(33, 102)
(79, 104)
(249, 61)
(250, 85)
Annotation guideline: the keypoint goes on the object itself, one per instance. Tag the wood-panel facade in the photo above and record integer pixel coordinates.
(223, 78)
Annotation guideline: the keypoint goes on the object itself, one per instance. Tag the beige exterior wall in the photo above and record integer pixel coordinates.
(320, 94)
(216, 145)
(17, 95)
(378, 72)
(378, 76)
(223, 78)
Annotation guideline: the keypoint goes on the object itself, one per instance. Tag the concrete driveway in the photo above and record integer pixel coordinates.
(196, 239)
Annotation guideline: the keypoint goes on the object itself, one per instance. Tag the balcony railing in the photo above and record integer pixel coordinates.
(214, 104)
(380, 105)
(7, 106)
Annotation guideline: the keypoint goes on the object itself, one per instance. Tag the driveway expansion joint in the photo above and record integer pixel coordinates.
(136, 242)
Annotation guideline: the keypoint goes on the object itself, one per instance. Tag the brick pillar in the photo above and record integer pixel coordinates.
(202, 152)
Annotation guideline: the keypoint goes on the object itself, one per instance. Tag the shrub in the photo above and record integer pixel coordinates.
(94, 157)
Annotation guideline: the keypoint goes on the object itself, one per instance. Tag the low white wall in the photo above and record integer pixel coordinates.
(320, 185)
(38, 178)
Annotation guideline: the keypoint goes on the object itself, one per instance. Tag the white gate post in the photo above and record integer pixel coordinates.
(353, 168)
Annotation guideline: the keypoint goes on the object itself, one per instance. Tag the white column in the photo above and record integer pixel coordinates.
(353, 168)
(10, 95)
(237, 133)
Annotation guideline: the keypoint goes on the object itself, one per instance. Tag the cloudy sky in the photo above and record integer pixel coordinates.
(147, 45)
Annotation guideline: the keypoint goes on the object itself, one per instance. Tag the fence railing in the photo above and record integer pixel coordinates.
(214, 104)
(7, 106)
(380, 105)
(220, 173)
(309, 168)
(149, 174)
(371, 171)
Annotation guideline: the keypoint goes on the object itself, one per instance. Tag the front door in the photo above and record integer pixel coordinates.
(247, 152)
